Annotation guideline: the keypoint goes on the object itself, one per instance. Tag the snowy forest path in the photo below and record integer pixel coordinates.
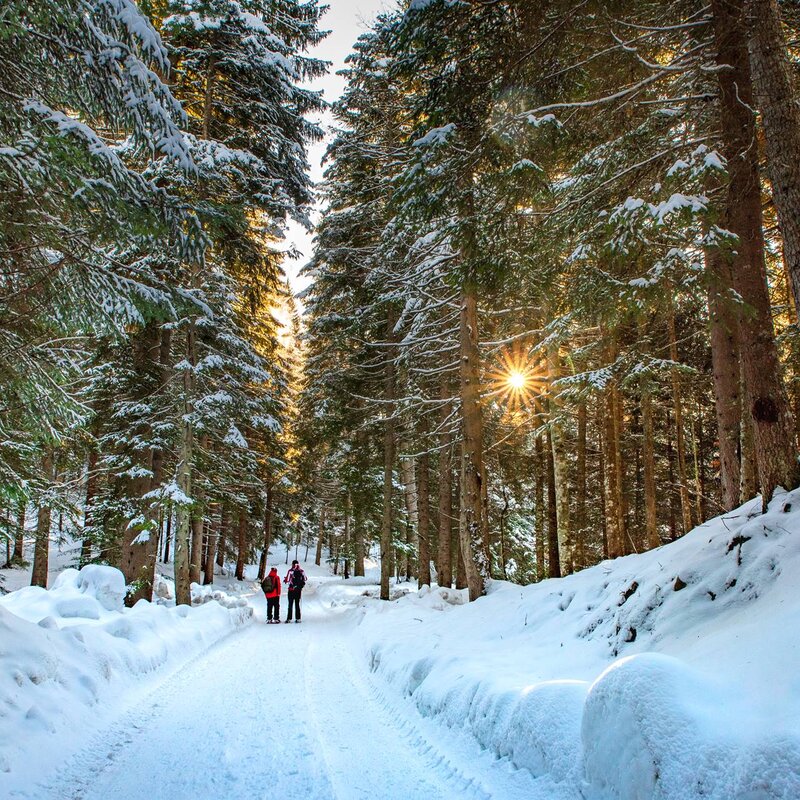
(279, 711)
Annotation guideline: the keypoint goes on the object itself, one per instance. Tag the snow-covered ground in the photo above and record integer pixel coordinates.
(673, 674)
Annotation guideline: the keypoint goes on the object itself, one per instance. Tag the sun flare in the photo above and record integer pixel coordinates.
(517, 382)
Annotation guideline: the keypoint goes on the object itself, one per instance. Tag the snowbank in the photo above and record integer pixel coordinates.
(671, 674)
(73, 656)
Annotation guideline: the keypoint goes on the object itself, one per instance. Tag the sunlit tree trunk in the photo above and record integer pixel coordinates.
(41, 550)
(724, 335)
(615, 512)
(213, 544)
(19, 539)
(649, 467)
(183, 512)
(580, 491)
(767, 406)
(680, 441)
(263, 566)
(776, 95)
(444, 561)
(539, 493)
(473, 522)
(320, 537)
(241, 549)
(388, 463)
(560, 466)
(423, 517)
(408, 471)
(553, 562)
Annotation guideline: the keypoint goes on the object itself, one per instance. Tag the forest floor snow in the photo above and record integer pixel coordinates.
(671, 674)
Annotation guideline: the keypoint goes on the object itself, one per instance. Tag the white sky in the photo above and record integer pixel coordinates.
(346, 20)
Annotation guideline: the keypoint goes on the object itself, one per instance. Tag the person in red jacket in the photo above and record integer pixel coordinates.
(271, 586)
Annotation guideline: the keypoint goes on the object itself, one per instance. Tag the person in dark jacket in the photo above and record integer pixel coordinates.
(296, 578)
(271, 585)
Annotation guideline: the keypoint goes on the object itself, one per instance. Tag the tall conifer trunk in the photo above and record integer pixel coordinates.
(444, 560)
(580, 556)
(19, 538)
(241, 549)
(724, 334)
(560, 466)
(41, 550)
(423, 517)
(766, 406)
(388, 461)
(473, 527)
(680, 439)
(539, 492)
(776, 96)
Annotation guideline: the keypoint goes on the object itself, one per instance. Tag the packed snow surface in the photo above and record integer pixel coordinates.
(672, 674)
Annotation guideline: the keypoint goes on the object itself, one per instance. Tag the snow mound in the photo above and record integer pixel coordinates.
(205, 594)
(662, 676)
(71, 656)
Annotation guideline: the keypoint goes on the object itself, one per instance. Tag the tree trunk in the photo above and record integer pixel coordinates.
(388, 462)
(560, 466)
(444, 561)
(183, 512)
(408, 471)
(195, 565)
(263, 564)
(767, 406)
(423, 518)
(19, 538)
(358, 541)
(725, 374)
(213, 544)
(615, 516)
(473, 522)
(167, 536)
(553, 562)
(539, 492)
(776, 96)
(224, 526)
(680, 442)
(88, 507)
(41, 551)
(320, 537)
(241, 550)
(652, 538)
(580, 555)
(602, 444)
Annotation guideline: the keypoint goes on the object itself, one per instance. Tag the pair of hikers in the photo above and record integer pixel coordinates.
(271, 586)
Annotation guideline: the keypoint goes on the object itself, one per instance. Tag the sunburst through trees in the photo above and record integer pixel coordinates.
(518, 382)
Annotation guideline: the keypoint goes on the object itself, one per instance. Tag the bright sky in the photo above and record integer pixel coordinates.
(346, 20)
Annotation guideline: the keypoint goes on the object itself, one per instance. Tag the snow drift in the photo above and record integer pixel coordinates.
(671, 674)
(71, 656)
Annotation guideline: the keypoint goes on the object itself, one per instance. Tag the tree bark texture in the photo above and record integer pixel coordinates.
(560, 465)
(725, 371)
(41, 550)
(553, 563)
(241, 549)
(444, 560)
(767, 406)
(388, 462)
(473, 520)
(680, 438)
(776, 97)
(423, 520)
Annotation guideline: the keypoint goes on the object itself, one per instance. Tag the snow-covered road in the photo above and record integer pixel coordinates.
(280, 711)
